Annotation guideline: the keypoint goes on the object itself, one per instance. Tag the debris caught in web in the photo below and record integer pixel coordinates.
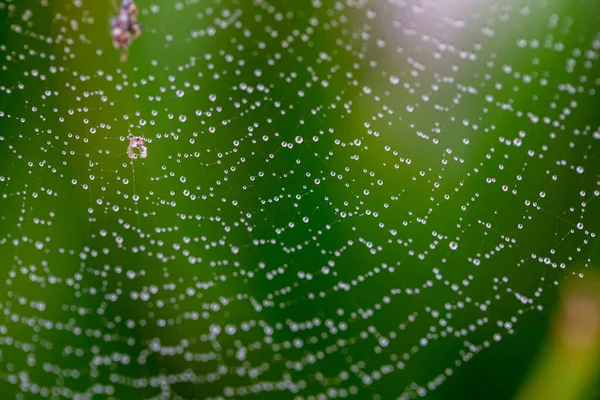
(136, 142)
(124, 27)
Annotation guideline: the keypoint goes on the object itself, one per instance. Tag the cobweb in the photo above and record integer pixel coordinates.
(342, 199)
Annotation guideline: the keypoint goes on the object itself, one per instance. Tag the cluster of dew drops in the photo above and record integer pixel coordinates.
(288, 221)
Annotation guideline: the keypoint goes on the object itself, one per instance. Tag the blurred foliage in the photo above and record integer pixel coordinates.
(568, 366)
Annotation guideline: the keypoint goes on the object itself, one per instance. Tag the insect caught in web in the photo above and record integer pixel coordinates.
(124, 27)
(136, 142)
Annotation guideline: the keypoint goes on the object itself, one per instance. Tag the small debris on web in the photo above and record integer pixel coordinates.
(136, 142)
(124, 27)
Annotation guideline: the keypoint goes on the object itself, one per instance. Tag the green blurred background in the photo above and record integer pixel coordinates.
(368, 199)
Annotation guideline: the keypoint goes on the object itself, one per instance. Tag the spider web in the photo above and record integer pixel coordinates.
(340, 199)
